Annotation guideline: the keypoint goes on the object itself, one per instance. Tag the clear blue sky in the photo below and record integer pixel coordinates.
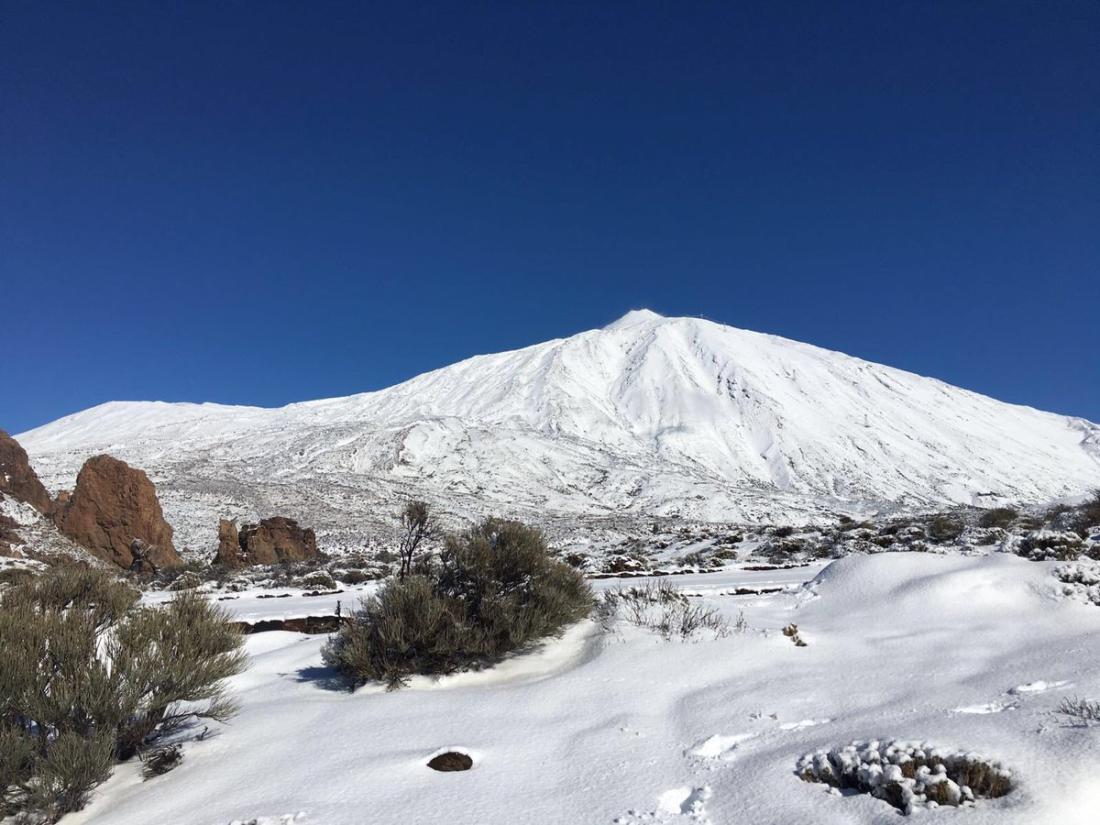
(268, 202)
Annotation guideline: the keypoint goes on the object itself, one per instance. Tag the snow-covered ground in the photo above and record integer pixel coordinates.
(649, 416)
(600, 727)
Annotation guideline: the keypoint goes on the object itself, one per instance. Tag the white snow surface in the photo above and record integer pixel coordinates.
(621, 727)
(647, 416)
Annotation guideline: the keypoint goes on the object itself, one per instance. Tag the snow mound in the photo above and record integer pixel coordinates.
(922, 583)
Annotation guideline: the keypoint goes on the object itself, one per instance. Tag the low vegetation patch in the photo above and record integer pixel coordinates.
(908, 775)
(998, 517)
(88, 677)
(662, 609)
(1080, 711)
(945, 528)
(1080, 580)
(493, 590)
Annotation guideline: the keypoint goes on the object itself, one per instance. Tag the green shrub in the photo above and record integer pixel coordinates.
(945, 528)
(494, 589)
(998, 517)
(1087, 515)
(88, 677)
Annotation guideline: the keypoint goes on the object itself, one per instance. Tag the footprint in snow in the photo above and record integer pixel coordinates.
(681, 806)
(719, 746)
(724, 746)
(805, 723)
(1037, 687)
(988, 707)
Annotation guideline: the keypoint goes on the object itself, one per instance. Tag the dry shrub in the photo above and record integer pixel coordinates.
(88, 677)
(998, 517)
(661, 608)
(493, 590)
(945, 528)
(1081, 711)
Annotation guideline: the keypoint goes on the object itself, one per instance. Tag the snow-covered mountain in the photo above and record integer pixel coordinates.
(648, 416)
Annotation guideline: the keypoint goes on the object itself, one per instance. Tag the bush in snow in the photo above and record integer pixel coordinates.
(1080, 580)
(1087, 515)
(661, 608)
(318, 580)
(998, 517)
(908, 774)
(945, 528)
(493, 590)
(1044, 545)
(88, 677)
(1081, 711)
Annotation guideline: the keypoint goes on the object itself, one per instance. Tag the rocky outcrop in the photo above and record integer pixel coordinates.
(18, 479)
(274, 540)
(229, 546)
(8, 537)
(112, 506)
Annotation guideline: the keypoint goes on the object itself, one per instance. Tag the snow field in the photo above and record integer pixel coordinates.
(627, 728)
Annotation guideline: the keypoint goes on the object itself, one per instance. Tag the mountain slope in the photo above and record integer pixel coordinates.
(650, 415)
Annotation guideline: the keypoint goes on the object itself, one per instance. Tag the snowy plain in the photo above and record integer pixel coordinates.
(620, 726)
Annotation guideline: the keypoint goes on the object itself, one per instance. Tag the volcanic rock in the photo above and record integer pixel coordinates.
(273, 541)
(113, 505)
(18, 479)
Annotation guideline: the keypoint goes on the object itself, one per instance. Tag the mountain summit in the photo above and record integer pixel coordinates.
(647, 416)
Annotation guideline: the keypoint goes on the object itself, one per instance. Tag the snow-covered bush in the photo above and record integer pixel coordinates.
(318, 580)
(493, 590)
(1045, 545)
(908, 774)
(87, 677)
(1080, 580)
(661, 608)
(998, 517)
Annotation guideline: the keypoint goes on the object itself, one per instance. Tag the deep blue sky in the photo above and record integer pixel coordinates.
(263, 202)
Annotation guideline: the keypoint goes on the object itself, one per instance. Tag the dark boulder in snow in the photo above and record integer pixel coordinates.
(451, 761)
(113, 505)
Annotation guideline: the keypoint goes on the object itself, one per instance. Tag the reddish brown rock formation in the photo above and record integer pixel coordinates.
(114, 504)
(18, 479)
(272, 541)
(8, 536)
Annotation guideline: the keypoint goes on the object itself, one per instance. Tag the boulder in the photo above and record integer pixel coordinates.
(18, 479)
(273, 541)
(113, 505)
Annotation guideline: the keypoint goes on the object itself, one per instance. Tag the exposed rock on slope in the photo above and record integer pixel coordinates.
(273, 541)
(18, 479)
(114, 504)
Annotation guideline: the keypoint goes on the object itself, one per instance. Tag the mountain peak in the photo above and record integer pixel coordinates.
(635, 317)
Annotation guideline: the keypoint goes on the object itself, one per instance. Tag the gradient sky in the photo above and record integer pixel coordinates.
(269, 202)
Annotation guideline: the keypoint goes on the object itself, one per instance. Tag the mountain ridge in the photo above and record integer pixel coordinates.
(647, 416)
